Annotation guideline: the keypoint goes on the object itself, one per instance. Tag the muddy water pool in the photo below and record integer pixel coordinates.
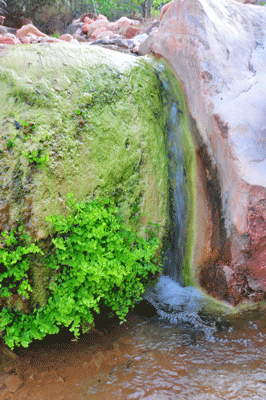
(145, 359)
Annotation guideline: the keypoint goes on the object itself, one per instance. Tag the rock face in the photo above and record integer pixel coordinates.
(78, 119)
(217, 50)
(78, 122)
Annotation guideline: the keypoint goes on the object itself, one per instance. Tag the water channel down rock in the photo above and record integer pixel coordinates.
(217, 50)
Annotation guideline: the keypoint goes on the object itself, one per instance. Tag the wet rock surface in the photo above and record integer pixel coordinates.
(217, 50)
(177, 304)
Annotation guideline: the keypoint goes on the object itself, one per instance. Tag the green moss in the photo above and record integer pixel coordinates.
(96, 125)
(184, 158)
(82, 120)
(40, 276)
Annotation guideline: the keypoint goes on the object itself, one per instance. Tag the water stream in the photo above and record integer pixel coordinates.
(179, 185)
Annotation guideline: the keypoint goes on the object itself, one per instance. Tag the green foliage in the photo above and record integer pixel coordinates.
(35, 157)
(56, 35)
(11, 141)
(96, 260)
(115, 8)
(14, 258)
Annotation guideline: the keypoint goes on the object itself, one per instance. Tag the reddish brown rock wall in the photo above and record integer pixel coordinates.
(216, 54)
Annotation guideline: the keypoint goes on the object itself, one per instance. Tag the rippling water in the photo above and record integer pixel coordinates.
(173, 362)
(151, 360)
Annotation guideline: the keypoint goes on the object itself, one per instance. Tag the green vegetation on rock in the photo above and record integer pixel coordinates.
(95, 260)
(87, 121)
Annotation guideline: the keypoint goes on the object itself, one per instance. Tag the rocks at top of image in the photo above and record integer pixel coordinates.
(151, 26)
(25, 30)
(165, 8)
(3, 30)
(74, 27)
(66, 37)
(145, 46)
(125, 34)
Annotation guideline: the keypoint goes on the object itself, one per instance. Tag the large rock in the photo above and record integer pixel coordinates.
(29, 29)
(78, 119)
(217, 50)
(77, 114)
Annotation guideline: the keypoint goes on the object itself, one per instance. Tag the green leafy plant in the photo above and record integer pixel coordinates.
(80, 112)
(96, 260)
(35, 157)
(11, 141)
(15, 264)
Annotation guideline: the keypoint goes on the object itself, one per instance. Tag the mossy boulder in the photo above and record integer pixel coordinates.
(82, 120)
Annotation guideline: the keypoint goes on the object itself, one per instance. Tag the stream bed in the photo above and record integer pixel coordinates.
(145, 358)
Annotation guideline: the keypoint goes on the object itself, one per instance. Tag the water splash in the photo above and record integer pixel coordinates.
(177, 304)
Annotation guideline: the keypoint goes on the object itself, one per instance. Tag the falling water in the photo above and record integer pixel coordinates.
(180, 155)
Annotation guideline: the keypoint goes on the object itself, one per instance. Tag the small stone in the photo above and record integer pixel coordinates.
(7, 40)
(131, 31)
(60, 379)
(66, 37)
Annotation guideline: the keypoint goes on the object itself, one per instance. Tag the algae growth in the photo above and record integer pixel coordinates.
(96, 126)
(81, 120)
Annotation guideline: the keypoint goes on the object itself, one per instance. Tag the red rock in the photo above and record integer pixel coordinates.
(122, 25)
(88, 20)
(104, 34)
(124, 21)
(7, 40)
(135, 49)
(209, 58)
(100, 16)
(97, 31)
(25, 40)
(66, 37)
(85, 27)
(165, 8)
(113, 26)
(28, 29)
(90, 28)
(131, 31)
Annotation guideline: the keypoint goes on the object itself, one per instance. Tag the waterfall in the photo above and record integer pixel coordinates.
(179, 243)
